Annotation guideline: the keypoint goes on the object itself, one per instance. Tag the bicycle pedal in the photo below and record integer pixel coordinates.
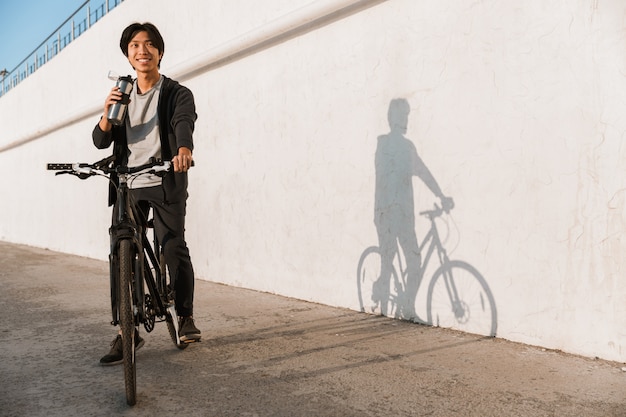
(189, 341)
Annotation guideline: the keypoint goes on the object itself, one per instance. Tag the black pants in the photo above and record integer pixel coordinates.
(169, 224)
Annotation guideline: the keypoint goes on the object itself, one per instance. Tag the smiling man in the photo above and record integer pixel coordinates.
(159, 124)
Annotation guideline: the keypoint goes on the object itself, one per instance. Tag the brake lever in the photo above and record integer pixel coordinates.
(81, 176)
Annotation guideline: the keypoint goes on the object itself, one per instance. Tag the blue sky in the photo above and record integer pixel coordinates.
(24, 24)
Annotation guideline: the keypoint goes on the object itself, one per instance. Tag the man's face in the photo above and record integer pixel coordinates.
(142, 54)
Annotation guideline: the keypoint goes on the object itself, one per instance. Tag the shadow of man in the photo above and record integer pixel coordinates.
(396, 163)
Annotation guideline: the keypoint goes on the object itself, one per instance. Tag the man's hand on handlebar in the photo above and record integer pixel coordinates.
(447, 203)
(183, 161)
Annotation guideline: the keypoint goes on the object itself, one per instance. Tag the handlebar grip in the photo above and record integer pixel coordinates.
(59, 167)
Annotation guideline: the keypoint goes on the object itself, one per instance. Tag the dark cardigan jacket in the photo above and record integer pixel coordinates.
(177, 116)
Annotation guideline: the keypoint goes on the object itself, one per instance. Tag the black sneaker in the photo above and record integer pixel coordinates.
(188, 331)
(115, 355)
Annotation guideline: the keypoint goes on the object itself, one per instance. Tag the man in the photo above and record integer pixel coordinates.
(159, 124)
(397, 162)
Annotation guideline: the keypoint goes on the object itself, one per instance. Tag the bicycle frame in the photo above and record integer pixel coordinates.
(126, 225)
(433, 241)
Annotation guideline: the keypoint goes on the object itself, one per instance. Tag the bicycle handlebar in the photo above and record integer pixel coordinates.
(436, 212)
(102, 167)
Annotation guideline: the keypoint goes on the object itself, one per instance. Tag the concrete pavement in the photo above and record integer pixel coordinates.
(265, 355)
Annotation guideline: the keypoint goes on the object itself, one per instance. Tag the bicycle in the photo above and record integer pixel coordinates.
(140, 293)
(458, 296)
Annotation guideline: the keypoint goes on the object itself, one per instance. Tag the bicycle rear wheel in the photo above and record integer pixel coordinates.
(170, 315)
(127, 320)
(459, 298)
(376, 295)
(172, 331)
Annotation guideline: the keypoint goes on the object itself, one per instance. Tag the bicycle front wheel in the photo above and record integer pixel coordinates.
(459, 298)
(127, 319)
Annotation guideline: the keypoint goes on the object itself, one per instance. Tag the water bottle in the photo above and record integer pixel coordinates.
(117, 112)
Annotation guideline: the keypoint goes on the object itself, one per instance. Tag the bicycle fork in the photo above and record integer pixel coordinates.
(451, 288)
(459, 308)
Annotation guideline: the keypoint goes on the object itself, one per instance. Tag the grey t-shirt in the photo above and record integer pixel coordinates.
(142, 132)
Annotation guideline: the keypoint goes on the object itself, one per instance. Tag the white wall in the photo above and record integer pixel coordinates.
(516, 109)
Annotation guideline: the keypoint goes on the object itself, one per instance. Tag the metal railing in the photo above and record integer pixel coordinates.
(70, 29)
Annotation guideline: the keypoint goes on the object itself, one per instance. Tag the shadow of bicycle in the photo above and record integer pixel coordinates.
(458, 296)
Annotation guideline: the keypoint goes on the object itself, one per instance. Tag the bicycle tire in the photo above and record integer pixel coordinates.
(384, 302)
(172, 331)
(169, 320)
(472, 310)
(127, 320)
